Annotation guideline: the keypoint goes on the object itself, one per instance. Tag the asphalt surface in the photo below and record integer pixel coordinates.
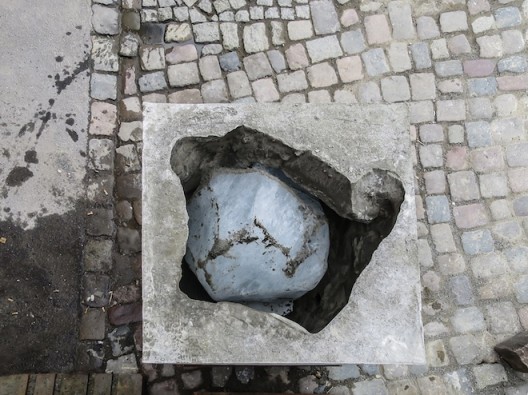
(44, 103)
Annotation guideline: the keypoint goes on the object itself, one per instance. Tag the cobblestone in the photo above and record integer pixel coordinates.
(489, 374)
(353, 42)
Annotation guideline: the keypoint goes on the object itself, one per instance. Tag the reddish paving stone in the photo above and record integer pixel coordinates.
(513, 82)
(479, 67)
(457, 158)
(470, 216)
(125, 314)
(487, 159)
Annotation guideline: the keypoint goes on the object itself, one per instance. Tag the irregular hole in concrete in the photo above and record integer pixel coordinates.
(360, 214)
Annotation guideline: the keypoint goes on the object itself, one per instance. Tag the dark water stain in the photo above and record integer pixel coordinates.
(73, 134)
(44, 119)
(31, 156)
(70, 121)
(61, 84)
(68, 33)
(59, 58)
(6, 153)
(28, 127)
(51, 102)
(40, 274)
(18, 176)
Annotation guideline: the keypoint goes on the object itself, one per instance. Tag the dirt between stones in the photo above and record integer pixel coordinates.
(39, 294)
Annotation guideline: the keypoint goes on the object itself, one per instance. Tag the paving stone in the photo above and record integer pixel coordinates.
(437, 209)
(490, 46)
(482, 86)
(95, 290)
(423, 86)
(257, 66)
(521, 289)
(130, 109)
(308, 384)
(478, 134)
(131, 4)
(468, 319)
(229, 62)
(377, 28)
(395, 371)
(395, 89)
(339, 390)
(375, 62)
(507, 17)
(487, 159)
(431, 155)
(105, 20)
(520, 206)
(344, 96)
(101, 154)
(103, 119)
(214, 92)
(513, 83)
(353, 42)
(519, 390)
(155, 98)
(343, 372)
(488, 266)
(518, 180)
(421, 111)
(196, 16)
(375, 386)
(455, 134)
(265, 90)
(502, 318)
(435, 182)
(294, 98)
(182, 54)
(489, 374)
(127, 159)
(104, 54)
(424, 253)
(349, 17)
(152, 82)
(400, 14)
(421, 56)
(350, 68)
(427, 28)
(206, 32)
(291, 82)
(493, 185)
(472, 348)
(459, 45)
(103, 86)
(178, 32)
(458, 382)
(181, 14)
(322, 75)
(453, 21)
(129, 44)
(230, 39)
(516, 154)
(277, 61)
(399, 57)
(514, 64)
(369, 92)
(512, 41)
(287, 13)
(451, 264)
(478, 6)
(183, 74)
(302, 11)
(439, 49)
(477, 242)
(470, 216)
(507, 233)
(448, 68)
(300, 30)
(323, 48)
(210, 68)
(324, 17)
(480, 108)
(148, 15)
(125, 364)
(431, 385)
(479, 67)
(463, 186)
(238, 83)
(278, 35)
(192, 380)
(505, 105)
(255, 38)
(97, 255)
(436, 354)
(443, 238)
(450, 110)
(92, 325)
(482, 24)
(461, 289)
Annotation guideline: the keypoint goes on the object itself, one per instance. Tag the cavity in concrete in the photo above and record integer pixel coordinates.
(355, 161)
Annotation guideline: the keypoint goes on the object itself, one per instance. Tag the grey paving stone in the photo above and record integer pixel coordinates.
(490, 46)
(443, 238)
(369, 92)
(507, 17)
(400, 14)
(470, 216)
(458, 382)
(323, 48)
(104, 53)
(265, 90)
(482, 86)
(186, 96)
(320, 96)
(483, 24)
(470, 349)
(97, 255)
(349, 17)
(129, 44)
(427, 28)
(152, 58)
(103, 86)
(435, 182)
(436, 354)
(521, 289)
(431, 155)
(502, 318)
(508, 130)
(489, 374)
(95, 290)
(210, 68)
(461, 289)
(424, 253)
(292, 82)
(453, 21)
(493, 185)
(343, 372)
(518, 390)
(300, 30)
(448, 68)
(395, 89)
(148, 15)
(324, 17)
(322, 75)
(277, 61)
(152, 82)
(437, 209)
(480, 108)
(518, 180)
(229, 62)
(377, 28)
(230, 39)
(181, 54)
(514, 64)
(512, 41)
(439, 49)
(505, 105)
(456, 136)
(296, 57)
(350, 68)
(516, 154)
(278, 36)
(459, 45)
(421, 56)
(450, 110)
(257, 66)
(353, 42)
(369, 387)
(477, 242)
(206, 32)
(214, 92)
(238, 83)
(468, 319)
(105, 20)
(92, 325)
(183, 74)
(375, 62)
(399, 57)
(339, 390)
(487, 159)
(478, 134)
(423, 86)
(294, 98)
(255, 38)
(344, 96)
(520, 206)
(431, 385)
(517, 258)
(421, 111)
(451, 264)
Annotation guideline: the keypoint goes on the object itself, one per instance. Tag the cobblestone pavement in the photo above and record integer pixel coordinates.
(462, 67)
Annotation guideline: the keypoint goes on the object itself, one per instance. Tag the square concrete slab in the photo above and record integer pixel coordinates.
(365, 152)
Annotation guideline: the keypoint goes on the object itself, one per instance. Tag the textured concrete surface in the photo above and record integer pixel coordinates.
(370, 329)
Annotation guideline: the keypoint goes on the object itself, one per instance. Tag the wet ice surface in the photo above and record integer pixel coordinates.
(253, 238)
